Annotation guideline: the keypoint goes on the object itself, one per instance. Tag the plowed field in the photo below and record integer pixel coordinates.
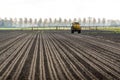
(59, 55)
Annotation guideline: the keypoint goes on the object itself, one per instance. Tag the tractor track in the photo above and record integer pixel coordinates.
(57, 55)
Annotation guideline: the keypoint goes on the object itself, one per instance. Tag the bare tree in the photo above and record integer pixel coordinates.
(75, 20)
(15, 22)
(70, 22)
(103, 22)
(0, 22)
(50, 22)
(11, 22)
(114, 23)
(40, 22)
(5, 22)
(99, 21)
(60, 22)
(79, 20)
(35, 22)
(89, 21)
(20, 22)
(55, 23)
(30, 22)
(117, 23)
(45, 22)
(94, 23)
(84, 21)
(65, 22)
(25, 22)
(108, 22)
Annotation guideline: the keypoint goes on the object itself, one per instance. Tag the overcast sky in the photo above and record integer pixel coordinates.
(60, 8)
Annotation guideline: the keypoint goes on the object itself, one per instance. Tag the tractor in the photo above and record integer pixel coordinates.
(75, 27)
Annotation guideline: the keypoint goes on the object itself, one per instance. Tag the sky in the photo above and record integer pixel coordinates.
(108, 9)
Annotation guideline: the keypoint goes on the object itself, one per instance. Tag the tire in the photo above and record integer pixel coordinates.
(72, 31)
(79, 31)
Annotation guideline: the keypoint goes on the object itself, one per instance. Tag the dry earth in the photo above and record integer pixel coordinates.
(59, 55)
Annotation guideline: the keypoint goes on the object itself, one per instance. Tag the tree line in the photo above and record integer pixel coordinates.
(49, 22)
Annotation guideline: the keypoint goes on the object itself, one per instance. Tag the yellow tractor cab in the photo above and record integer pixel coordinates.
(75, 27)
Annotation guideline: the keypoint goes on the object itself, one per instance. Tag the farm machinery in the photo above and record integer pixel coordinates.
(75, 27)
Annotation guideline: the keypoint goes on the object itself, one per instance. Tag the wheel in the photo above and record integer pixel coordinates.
(79, 31)
(72, 31)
